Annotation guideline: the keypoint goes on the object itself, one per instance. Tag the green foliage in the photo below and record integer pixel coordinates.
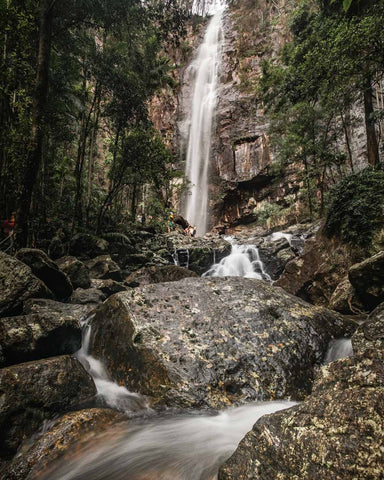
(356, 207)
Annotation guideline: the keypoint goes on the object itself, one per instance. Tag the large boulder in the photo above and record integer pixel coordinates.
(47, 270)
(88, 296)
(85, 246)
(367, 278)
(76, 270)
(158, 274)
(315, 274)
(212, 341)
(345, 300)
(108, 286)
(337, 432)
(66, 433)
(104, 267)
(17, 284)
(34, 391)
(38, 335)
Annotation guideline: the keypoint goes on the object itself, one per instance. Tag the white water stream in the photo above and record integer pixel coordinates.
(243, 261)
(206, 72)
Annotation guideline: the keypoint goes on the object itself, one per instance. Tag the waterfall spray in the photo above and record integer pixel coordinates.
(206, 68)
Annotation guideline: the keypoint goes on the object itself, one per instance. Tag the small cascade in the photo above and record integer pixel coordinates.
(183, 447)
(181, 257)
(243, 261)
(109, 393)
(205, 69)
(338, 348)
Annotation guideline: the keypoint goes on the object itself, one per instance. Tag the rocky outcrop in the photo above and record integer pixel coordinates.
(67, 433)
(167, 273)
(345, 300)
(316, 273)
(212, 341)
(17, 284)
(86, 246)
(76, 270)
(337, 432)
(367, 278)
(47, 270)
(104, 267)
(34, 391)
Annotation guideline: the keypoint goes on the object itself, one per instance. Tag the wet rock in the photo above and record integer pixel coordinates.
(198, 253)
(69, 432)
(47, 270)
(337, 432)
(38, 335)
(104, 267)
(212, 341)
(108, 286)
(275, 255)
(344, 299)
(85, 246)
(34, 391)
(76, 270)
(148, 275)
(368, 279)
(91, 296)
(17, 284)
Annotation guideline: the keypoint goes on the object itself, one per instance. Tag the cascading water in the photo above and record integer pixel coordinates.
(179, 448)
(338, 348)
(243, 261)
(109, 393)
(206, 71)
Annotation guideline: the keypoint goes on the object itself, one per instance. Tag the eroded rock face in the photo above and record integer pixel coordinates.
(64, 435)
(47, 270)
(212, 342)
(17, 284)
(167, 273)
(76, 270)
(337, 432)
(368, 279)
(31, 392)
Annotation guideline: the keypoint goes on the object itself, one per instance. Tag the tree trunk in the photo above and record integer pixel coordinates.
(35, 149)
(372, 147)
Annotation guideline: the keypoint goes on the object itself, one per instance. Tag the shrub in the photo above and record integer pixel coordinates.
(355, 208)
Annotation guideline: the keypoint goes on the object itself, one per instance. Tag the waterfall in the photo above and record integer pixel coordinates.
(206, 70)
(243, 261)
(337, 349)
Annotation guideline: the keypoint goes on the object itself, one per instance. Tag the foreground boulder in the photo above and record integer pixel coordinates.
(76, 270)
(337, 432)
(212, 341)
(17, 284)
(63, 436)
(47, 270)
(367, 278)
(34, 391)
(167, 273)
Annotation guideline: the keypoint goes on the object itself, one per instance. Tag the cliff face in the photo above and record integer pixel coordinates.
(242, 178)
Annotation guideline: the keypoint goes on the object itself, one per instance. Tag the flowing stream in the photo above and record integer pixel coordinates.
(205, 69)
